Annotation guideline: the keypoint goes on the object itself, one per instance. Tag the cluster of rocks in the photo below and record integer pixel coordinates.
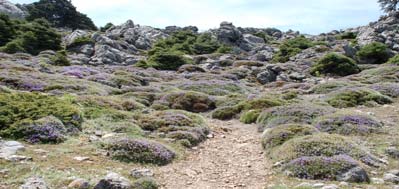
(143, 180)
(384, 31)
(11, 9)
(123, 44)
(119, 45)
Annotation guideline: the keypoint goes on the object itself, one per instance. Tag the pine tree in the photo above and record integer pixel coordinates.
(389, 5)
(60, 13)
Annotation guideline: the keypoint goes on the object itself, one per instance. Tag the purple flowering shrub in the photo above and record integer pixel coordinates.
(348, 123)
(78, 71)
(119, 79)
(279, 135)
(295, 113)
(140, 151)
(334, 168)
(45, 130)
(389, 89)
(322, 144)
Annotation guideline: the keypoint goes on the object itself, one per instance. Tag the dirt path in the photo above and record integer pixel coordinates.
(232, 159)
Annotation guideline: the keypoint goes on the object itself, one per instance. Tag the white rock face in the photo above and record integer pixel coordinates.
(11, 10)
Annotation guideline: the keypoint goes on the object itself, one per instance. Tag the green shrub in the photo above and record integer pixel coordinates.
(18, 107)
(303, 113)
(7, 29)
(81, 41)
(167, 54)
(226, 113)
(34, 37)
(167, 60)
(250, 116)
(145, 183)
(169, 118)
(12, 47)
(205, 44)
(292, 47)
(189, 101)
(331, 86)
(351, 97)
(347, 35)
(60, 59)
(279, 135)
(394, 60)
(321, 144)
(336, 168)
(106, 27)
(335, 64)
(223, 49)
(374, 53)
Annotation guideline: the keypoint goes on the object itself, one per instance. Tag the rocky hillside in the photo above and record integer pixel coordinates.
(137, 107)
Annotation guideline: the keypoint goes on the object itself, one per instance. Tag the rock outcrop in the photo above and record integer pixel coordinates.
(11, 10)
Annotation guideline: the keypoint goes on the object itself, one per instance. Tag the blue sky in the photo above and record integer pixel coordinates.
(307, 16)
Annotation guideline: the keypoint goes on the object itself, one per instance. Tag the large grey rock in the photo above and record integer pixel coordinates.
(384, 30)
(228, 33)
(392, 176)
(356, 174)
(34, 183)
(140, 173)
(10, 148)
(11, 10)
(113, 181)
(266, 76)
(69, 39)
(142, 37)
